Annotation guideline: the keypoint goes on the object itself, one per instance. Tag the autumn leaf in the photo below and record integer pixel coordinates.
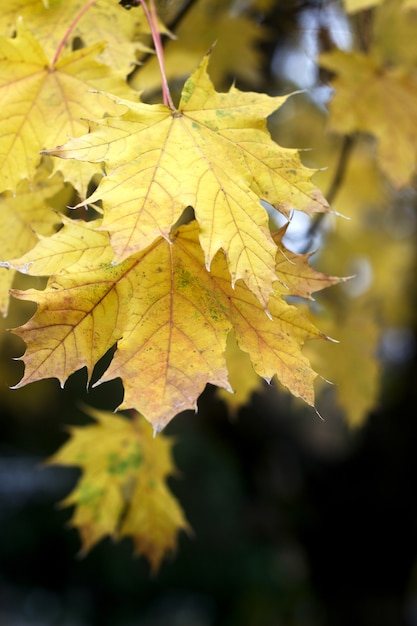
(170, 319)
(379, 100)
(214, 154)
(122, 490)
(135, 300)
(31, 92)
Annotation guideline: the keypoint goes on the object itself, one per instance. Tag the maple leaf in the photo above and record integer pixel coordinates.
(169, 317)
(214, 154)
(372, 98)
(95, 309)
(31, 92)
(122, 490)
(104, 22)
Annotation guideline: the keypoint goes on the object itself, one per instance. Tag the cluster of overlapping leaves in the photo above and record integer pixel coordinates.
(167, 295)
(171, 258)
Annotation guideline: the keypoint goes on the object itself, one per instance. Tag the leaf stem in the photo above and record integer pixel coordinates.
(152, 18)
(70, 29)
(172, 26)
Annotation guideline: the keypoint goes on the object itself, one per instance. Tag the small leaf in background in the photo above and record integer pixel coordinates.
(379, 100)
(122, 490)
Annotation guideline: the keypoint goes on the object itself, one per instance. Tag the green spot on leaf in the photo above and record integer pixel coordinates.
(119, 464)
(88, 494)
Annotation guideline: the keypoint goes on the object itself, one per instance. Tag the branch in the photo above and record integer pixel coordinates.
(348, 143)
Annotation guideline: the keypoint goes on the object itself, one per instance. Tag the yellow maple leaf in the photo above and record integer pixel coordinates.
(104, 22)
(379, 100)
(215, 154)
(170, 318)
(137, 301)
(32, 92)
(122, 490)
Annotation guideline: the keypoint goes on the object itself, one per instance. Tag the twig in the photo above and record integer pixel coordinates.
(348, 143)
(180, 15)
(171, 26)
(152, 18)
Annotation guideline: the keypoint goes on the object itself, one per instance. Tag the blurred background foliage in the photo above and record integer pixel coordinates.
(298, 521)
